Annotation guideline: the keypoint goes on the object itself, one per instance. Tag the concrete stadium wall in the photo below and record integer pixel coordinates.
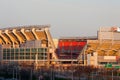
(105, 35)
(116, 35)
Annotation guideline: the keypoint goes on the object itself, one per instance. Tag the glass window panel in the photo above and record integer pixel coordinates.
(21, 57)
(8, 57)
(4, 57)
(4, 50)
(21, 50)
(42, 49)
(27, 54)
(39, 50)
(16, 50)
(42, 54)
(16, 57)
(8, 50)
(34, 50)
(12, 54)
(12, 57)
(45, 54)
(12, 50)
(45, 49)
(28, 50)
(39, 54)
(40, 58)
(16, 54)
(45, 58)
(4, 54)
(8, 54)
(27, 57)
(32, 56)
(21, 54)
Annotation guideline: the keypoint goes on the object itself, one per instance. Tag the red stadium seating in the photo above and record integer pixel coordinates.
(70, 49)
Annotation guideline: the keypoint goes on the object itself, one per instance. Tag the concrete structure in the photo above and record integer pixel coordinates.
(27, 45)
(107, 47)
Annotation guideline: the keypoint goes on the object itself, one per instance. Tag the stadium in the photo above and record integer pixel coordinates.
(26, 45)
(34, 46)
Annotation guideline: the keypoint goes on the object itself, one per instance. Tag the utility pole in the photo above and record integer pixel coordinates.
(51, 78)
(112, 74)
(92, 75)
(13, 72)
(19, 72)
(16, 72)
(30, 73)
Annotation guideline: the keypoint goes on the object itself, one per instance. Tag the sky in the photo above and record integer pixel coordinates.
(67, 18)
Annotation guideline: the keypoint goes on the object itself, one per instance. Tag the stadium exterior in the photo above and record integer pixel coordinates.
(34, 46)
(26, 45)
(106, 49)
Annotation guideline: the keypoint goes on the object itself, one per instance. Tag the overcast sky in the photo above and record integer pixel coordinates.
(66, 17)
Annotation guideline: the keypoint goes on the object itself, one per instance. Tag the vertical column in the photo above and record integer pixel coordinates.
(112, 34)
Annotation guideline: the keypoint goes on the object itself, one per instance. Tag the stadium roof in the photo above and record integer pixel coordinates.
(26, 26)
(89, 37)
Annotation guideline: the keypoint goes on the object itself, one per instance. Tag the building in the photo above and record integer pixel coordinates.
(71, 50)
(27, 45)
(34, 46)
(106, 49)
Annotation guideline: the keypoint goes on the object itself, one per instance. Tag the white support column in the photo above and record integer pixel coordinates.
(4, 38)
(51, 43)
(14, 32)
(33, 31)
(23, 32)
(11, 38)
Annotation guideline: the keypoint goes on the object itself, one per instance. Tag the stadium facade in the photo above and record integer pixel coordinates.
(26, 45)
(34, 45)
(106, 49)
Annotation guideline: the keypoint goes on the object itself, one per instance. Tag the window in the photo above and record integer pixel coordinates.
(16, 50)
(12, 50)
(21, 50)
(27, 50)
(34, 50)
(4, 50)
(32, 56)
(27, 56)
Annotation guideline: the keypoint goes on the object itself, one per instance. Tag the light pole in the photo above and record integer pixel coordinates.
(13, 72)
(92, 75)
(30, 73)
(16, 72)
(19, 72)
(51, 78)
(112, 74)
